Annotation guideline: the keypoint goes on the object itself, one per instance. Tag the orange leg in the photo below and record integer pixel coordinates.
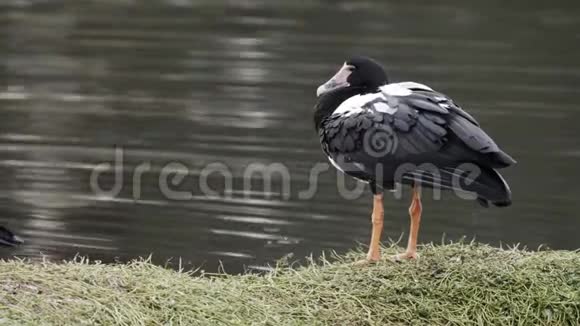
(415, 213)
(377, 218)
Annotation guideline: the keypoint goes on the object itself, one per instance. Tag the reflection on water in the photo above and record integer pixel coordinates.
(210, 82)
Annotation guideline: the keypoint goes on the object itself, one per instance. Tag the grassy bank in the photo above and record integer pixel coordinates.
(457, 284)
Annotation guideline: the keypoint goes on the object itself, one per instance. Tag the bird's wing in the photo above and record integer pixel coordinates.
(460, 124)
(403, 123)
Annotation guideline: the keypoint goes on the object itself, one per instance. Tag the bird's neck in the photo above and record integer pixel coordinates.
(327, 103)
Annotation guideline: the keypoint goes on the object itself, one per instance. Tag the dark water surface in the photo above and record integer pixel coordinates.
(233, 83)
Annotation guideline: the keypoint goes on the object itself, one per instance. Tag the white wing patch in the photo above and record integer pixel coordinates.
(347, 110)
(395, 90)
(355, 104)
(384, 108)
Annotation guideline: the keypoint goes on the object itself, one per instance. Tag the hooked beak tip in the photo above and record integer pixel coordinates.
(339, 80)
(320, 90)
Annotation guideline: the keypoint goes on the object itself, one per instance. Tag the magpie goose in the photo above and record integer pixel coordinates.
(395, 134)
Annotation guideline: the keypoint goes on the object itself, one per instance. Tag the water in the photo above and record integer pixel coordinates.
(227, 82)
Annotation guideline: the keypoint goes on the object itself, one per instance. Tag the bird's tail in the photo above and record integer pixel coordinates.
(469, 181)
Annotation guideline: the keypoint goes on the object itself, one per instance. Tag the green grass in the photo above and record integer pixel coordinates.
(454, 284)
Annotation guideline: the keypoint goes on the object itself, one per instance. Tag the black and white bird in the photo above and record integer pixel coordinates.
(391, 134)
(9, 239)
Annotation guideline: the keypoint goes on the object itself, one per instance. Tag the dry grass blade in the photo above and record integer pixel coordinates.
(455, 284)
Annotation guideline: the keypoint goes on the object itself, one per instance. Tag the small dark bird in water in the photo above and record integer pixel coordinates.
(391, 134)
(9, 239)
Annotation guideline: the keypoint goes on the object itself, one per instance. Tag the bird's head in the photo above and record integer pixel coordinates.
(8, 238)
(360, 73)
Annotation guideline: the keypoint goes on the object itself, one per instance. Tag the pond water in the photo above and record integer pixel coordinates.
(225, 85)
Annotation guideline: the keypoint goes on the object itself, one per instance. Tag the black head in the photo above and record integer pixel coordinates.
(358, 72)
(9, 239)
